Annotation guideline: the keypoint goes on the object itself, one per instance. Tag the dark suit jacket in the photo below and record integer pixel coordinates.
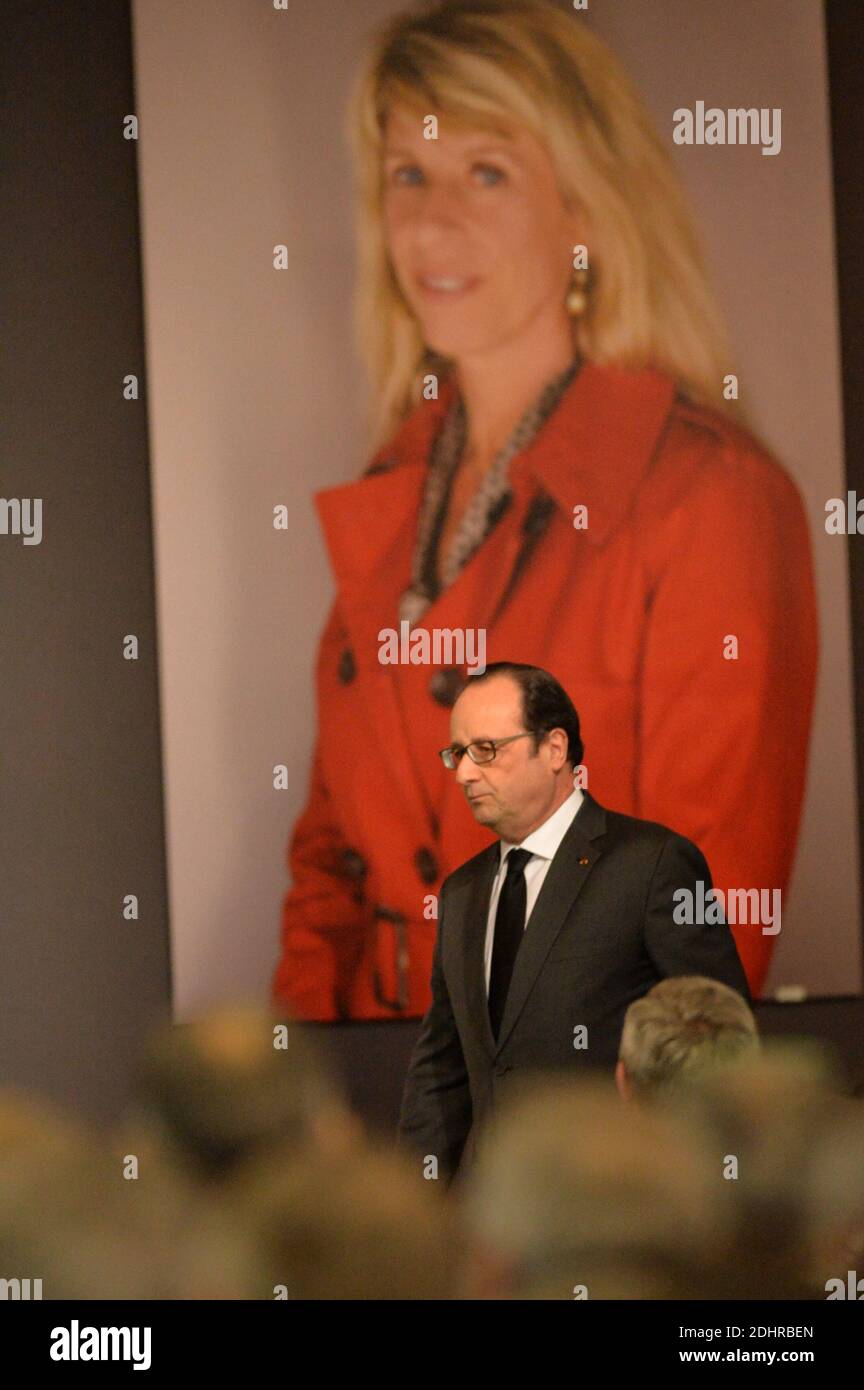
(600, 935)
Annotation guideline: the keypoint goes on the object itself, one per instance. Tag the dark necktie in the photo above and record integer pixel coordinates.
(509, 930)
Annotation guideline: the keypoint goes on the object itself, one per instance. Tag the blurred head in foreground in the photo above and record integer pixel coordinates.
(360, 1225)
(81, 1220)
(573, 1195)
(235, 1083)
(790, 1149)
(677, 1031)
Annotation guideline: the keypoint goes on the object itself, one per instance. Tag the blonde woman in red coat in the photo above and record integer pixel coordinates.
(556, 478)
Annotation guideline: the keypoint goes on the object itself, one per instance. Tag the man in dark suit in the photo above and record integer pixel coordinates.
(547, 936)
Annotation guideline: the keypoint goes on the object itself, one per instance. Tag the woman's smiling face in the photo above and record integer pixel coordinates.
(478, 233)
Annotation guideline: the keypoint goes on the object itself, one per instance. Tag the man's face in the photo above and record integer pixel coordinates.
(518, 790)
(481, 213)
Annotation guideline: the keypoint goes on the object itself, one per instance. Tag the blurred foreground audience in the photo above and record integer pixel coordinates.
(233, 1085)
(573, 1195)
(70, 1219)
(792, 1154)
(355, 1226)
(709, 1166)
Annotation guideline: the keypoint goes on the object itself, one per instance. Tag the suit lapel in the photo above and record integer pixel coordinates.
(576, 856)
(474, 940)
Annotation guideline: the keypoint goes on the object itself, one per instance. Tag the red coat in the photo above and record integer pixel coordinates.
(694, 533)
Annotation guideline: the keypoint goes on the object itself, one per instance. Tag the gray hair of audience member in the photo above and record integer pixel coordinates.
(218, 1090)
(681, 1027)
(570, 1190)
(360, 1225)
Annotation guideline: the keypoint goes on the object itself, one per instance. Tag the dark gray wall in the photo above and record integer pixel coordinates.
(81, 822)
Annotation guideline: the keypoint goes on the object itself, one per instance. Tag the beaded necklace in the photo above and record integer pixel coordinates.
(486, 507)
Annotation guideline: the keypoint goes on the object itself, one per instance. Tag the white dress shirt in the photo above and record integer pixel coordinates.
(542, 844)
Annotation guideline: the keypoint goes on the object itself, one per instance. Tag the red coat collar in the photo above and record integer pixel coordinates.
(593, 450)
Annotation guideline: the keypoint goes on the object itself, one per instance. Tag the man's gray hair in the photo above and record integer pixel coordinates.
(681, 1028)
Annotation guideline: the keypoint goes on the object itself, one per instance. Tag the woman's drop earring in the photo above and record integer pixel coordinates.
(577, 295)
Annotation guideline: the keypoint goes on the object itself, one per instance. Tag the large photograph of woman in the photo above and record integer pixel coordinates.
(558, 459)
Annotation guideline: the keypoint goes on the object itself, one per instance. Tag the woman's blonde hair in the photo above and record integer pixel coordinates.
(529, 61)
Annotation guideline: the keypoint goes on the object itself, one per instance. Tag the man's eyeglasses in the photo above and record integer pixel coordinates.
(480, 751)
